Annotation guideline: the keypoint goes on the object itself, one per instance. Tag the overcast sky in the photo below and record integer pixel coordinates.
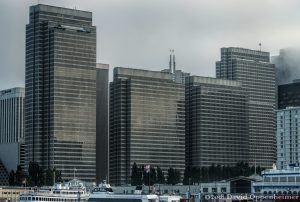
(139, 33)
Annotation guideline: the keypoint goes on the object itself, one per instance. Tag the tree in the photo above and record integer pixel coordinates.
(195, 175)
(135, 175)
(160, 176)
(173, 176)
(49, 177)
(12, 178)
(19, 176)
(177, 177)
(212, 172)
(187, 176)
(170, 178)
(52, 176)
(152, 175)
(36, 174)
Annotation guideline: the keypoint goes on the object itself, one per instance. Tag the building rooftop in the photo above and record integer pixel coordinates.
(63, 11)
(130, 72)
(210, 80)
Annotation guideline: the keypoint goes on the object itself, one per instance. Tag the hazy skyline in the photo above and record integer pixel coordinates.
(139, 33)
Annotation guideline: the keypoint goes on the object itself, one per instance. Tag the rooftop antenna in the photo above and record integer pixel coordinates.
(173, 62)
(259, 47)
(170, 63)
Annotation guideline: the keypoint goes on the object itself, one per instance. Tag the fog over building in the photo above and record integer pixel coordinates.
(60, 103)
(253, 69)
(147, 122)
(287, 65)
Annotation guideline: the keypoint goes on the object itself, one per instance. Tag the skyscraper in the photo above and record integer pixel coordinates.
(216, 122)
(60, 103)
(257, 75)
(12, 127)
(102, 140)
(147, 122)
(289, 95)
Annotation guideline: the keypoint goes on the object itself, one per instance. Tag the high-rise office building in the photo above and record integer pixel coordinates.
(12, 127)
(289, 95)
(288, 136)
(147, 122)
(102, 140)
(60, 103)
(257, 75)
(216, 122)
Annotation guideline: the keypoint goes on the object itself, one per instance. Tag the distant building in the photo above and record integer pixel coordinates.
(178, 75)
(60, 103)
(216, 122)
(253, 69)
(147, 122)
(288, 137)
(289, 95)
(102, 140)
(12, 128)
(287, 65)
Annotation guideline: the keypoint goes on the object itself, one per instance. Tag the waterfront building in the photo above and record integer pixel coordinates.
(279, 182)
(102, 140)
(253, 69)
(288, 136)
(60, 103)
(147, 122)
(289, 95)
(12, 128)
(216, 122)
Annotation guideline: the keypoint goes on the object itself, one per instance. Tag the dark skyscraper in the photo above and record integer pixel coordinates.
(102, 123)
(147, 122)
(216, 122)
(257, 75)
(289, 95)
(60, 103)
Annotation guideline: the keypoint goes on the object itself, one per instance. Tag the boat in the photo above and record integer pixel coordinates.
(170, 198)
(72, 191)
(104, 193)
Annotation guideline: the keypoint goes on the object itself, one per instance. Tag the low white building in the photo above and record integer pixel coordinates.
(279, 182)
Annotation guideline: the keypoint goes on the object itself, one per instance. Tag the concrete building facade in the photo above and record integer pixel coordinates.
(147, 122)
(216, 122)
(257, 75)
(60, 103)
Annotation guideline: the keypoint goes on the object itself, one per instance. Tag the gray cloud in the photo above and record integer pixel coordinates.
(139, 33)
